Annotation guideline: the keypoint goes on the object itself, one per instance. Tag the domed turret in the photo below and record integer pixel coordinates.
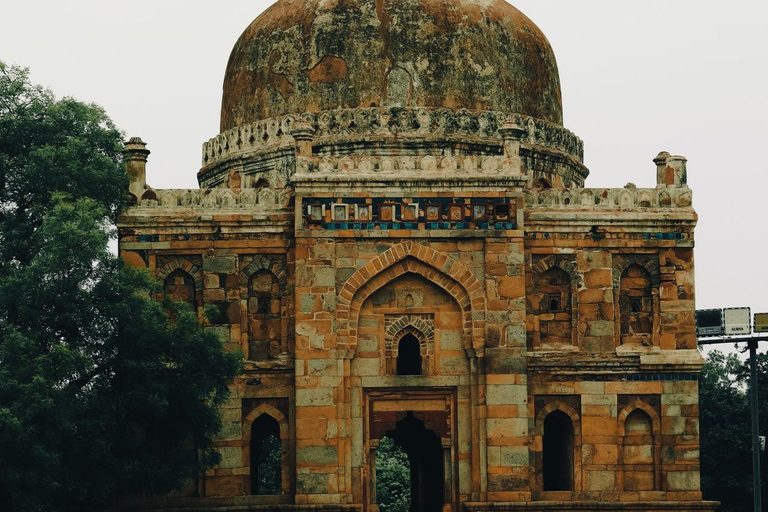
(314, 55)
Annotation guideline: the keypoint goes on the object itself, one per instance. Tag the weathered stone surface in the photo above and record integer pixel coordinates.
(393, 227)
(220, 264)
(317, 455)
(297, 57)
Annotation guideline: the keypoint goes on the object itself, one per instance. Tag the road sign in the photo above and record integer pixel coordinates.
(737, 321)
(761, 322)
(709, 322)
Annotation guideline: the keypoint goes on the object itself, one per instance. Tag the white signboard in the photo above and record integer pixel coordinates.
(737, 321)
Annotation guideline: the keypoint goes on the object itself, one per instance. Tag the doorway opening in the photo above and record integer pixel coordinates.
(424, 452)
(558, 452)
(266, 456)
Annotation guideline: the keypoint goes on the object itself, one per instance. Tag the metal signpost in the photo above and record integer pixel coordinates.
(737, 321)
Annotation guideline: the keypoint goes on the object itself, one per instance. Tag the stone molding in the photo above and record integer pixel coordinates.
(609, 198)
(333, 125)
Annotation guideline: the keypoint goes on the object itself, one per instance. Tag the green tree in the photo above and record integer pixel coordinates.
(100, 395)
(724, 413)
(393, 477)
(270, 465)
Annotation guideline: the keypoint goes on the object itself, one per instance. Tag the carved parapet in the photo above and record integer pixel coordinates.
(264, 199)
(386, 122)
(408, 166)
(609, 198)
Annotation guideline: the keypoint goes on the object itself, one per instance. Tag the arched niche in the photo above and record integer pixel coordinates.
(639, 446)
(551, 300)
(636, 306)
(413, 314)
(264, 316)
(180, 286)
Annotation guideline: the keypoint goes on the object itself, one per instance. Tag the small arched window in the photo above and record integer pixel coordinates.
(266, 456)
(635, 302)
(554, 287)
(179, 285)
(409, 356)
(558, 452)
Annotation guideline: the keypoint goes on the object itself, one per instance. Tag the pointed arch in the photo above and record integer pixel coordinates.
(633, 406)
(269, 410)
(273, 414)
(562, 407)
(622, 262)
(566, 264)
(187, 266)
(260, 262)
(410, 257)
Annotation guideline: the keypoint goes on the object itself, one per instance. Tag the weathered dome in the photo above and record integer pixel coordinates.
(313, 55)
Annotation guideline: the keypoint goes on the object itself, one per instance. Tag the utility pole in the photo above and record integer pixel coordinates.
(755, 425)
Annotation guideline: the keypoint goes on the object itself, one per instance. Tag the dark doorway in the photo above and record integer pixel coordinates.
(409, 356)
(558, 452)
(425, 455)
(266, 456)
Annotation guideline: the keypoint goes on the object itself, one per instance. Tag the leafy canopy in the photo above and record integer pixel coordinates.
(393, 477)
(724, 413)
(100, 395)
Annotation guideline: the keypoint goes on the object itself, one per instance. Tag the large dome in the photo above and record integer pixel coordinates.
(313, 55)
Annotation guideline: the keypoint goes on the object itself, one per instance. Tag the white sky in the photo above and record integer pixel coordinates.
(685, 76)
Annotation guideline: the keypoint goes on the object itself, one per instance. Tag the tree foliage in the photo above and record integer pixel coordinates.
(393, 477)
(100, 395)
(270, 465)
(725, 424)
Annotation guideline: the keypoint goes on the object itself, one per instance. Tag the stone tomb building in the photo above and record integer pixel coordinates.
(394, 229)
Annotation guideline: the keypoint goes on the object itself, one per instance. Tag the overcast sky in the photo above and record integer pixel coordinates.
(685, 76)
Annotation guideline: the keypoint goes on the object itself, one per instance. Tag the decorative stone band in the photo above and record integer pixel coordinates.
(264, 199)
(385, 122)
(576, 198)
(609, 198)
(409, 166)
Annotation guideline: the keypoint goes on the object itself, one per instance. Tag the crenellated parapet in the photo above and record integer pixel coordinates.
(399, 167)
(665, 198)
(263, 199)
(403, 126)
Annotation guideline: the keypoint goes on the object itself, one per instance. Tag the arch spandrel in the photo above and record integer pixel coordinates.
(410, 257)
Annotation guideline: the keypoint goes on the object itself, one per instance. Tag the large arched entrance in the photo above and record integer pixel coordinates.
(425, 455)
